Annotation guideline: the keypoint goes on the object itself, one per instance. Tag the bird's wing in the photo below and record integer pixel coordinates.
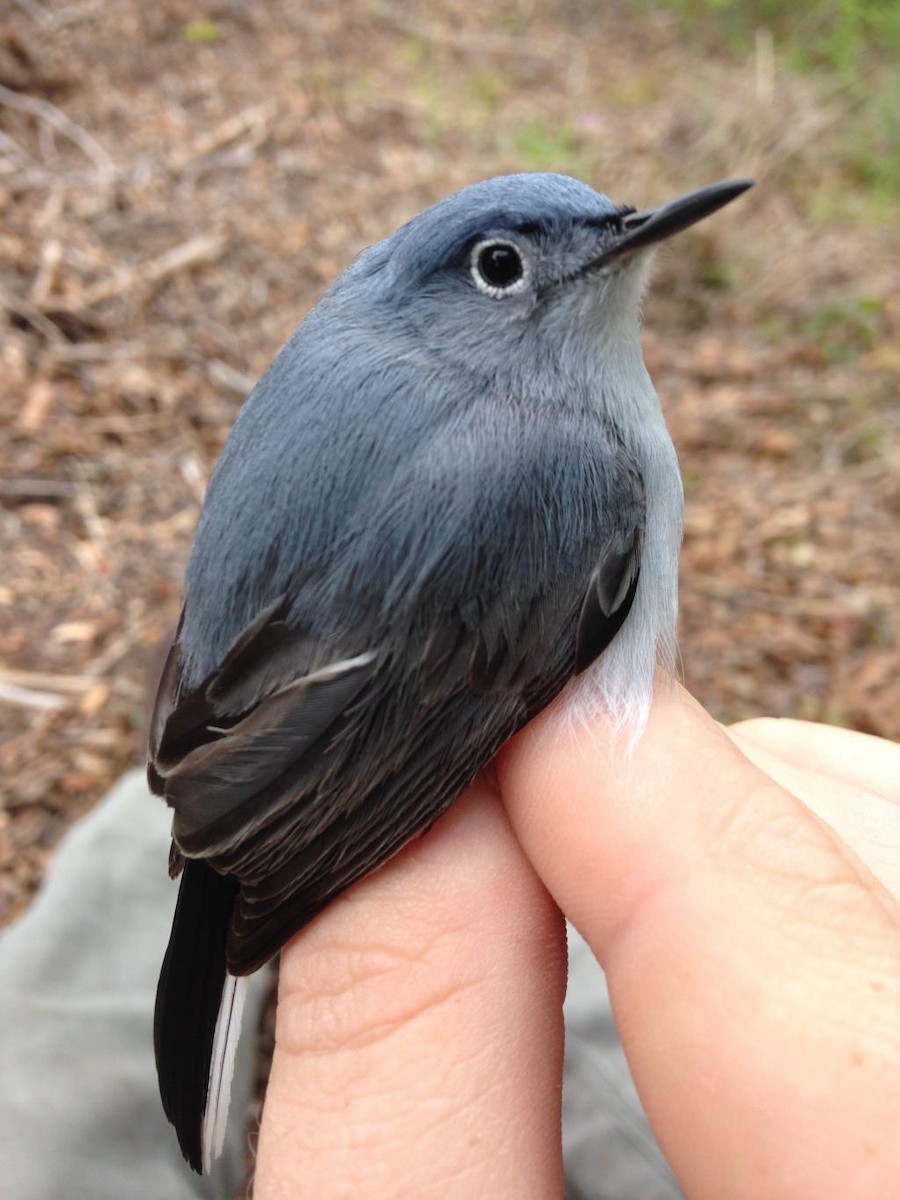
(297, 790)
(219, 751)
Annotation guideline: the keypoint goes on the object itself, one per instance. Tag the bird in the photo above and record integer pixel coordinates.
(452, 496)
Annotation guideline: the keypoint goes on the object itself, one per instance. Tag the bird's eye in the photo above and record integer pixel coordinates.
(498, 268)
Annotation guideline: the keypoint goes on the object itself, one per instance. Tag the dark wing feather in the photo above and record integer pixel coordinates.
(608, 601)
(212, 786)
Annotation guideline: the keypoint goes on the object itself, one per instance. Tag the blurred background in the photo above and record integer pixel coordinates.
(180, 181)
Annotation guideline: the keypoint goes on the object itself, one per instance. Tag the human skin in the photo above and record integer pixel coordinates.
(752, 953)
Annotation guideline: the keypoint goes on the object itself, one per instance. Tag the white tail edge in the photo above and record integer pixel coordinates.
(221, 1068)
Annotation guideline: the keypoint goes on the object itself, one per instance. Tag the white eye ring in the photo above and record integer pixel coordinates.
(498, 290)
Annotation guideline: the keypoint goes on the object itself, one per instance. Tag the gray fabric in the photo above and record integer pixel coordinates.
(79, 1108)
(609, 1151)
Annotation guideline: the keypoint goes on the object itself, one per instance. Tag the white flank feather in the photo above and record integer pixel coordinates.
(221, 1068)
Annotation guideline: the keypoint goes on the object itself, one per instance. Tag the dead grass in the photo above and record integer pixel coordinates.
(174, 196)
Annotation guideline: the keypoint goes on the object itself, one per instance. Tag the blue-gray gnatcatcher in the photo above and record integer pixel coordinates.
(451, 493)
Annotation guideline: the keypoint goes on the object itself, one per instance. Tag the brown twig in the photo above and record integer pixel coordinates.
(28, 312)
(35, 489)
(27, 698)
(205, 248)
(798, 606)
(255, 119)
(70, 685)
(165, 344)
(50, 115)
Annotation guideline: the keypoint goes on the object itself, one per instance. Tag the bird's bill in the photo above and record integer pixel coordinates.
(643, 229)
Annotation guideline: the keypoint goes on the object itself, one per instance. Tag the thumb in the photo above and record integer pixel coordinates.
(754, 971)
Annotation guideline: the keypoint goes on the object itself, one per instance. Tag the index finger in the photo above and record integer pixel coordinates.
(868, 762)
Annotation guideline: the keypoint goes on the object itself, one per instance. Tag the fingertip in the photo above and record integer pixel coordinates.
(606, 819)
(623, 836)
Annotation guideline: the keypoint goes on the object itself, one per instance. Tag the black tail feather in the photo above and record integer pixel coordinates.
(188, 998)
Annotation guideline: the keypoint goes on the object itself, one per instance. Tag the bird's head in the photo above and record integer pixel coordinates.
(521, 269)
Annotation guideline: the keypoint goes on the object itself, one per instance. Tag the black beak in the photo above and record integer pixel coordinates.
(642, 229)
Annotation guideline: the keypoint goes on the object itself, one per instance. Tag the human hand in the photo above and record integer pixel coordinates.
(752, 955)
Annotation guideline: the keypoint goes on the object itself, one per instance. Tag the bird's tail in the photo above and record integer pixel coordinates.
(198, 1015)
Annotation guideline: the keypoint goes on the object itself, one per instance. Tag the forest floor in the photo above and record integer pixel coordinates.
(178, 186)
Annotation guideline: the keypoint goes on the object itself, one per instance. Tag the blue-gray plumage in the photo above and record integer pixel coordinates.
(452, 492)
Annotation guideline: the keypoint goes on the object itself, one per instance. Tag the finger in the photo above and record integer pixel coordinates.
(871, 763)
(754, 974)
(419, 1029)
(866, 822)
